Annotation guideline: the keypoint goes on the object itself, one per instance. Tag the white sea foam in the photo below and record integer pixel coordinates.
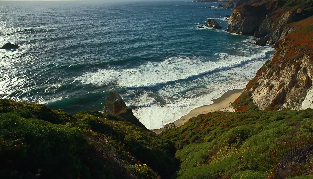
(220, 18)
(229, 72)
(45, 101)
(155, 116)
(169, 70)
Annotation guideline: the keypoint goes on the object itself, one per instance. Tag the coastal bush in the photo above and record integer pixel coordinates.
(29, 145)
(264, 144)
(143, 171)
(32, 110)
(38, 141)
(255, 144)
(244, 102)
(146, 146)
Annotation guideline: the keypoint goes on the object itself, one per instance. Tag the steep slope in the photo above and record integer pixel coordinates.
(268, 19)
(38, 142)
(245, 145)
(283, 82)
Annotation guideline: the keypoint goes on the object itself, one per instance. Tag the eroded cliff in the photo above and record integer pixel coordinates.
(285, 80)
(268, 20)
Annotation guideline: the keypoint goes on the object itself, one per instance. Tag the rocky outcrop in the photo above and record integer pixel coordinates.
(219, 6)
(285, 81)
(9, 46)
(273, 29)
(200, 26)
(229, 5)
(116, 106)
(267, 19)
(212, 24)
(246, 19)
(232, 4)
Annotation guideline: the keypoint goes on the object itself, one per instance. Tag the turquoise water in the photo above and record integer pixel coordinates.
(72, 54)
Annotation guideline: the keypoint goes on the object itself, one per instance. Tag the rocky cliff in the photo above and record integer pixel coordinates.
(246, 19)
(116, 106)
(268, 20)
(236, 3)
(285, 81)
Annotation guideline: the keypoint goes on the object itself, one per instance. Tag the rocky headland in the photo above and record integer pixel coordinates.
(285, 80)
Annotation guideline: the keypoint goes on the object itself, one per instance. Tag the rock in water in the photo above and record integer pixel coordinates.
(200, 27)
(219, 6)
(116, 106)
(213, 24)
(9, 46)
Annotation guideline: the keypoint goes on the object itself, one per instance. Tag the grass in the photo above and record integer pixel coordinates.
(36, 140)
(253, 144)
(256, 144)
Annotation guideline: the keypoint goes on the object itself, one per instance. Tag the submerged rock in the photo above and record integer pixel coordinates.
(9, 46)
(213, 24)
(200, 26)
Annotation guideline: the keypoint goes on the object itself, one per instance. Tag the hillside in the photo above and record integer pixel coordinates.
(285, 81)
(265, 138)
(246, 145)
(260, 144)
(38, 142)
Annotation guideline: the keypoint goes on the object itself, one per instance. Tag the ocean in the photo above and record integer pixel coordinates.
(73, 53)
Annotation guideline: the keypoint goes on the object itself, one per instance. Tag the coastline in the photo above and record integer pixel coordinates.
(220, 104)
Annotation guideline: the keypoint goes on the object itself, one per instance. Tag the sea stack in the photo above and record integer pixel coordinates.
(213, 24)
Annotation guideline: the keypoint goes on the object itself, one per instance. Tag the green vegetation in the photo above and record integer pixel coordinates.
(254, 144)
(258, 144)
(36, 140)
(296, 3)
(244, 102)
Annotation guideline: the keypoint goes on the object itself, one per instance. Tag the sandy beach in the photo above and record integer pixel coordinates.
(220, 104)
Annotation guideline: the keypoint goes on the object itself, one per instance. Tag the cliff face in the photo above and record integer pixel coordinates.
(274, 27)
(285, 81)
(236, 3)
(246, 19)
(267, 19)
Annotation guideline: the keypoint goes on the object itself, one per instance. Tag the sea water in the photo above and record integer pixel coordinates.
(153, 53)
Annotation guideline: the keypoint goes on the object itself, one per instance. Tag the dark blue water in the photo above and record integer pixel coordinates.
(73, 53)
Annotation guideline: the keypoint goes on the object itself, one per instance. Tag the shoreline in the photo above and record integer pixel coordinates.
(222, 103)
